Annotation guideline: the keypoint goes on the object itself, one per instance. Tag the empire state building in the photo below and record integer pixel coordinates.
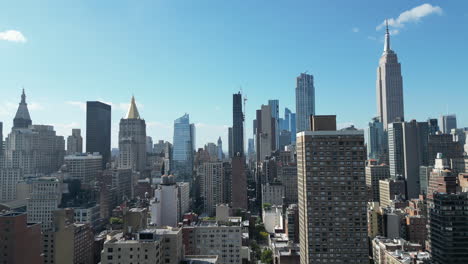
(389, 86)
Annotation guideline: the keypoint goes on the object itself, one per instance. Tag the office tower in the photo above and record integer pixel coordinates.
(22, 118)
(408, 144)
(389, 189)
(239, 183)
(292, 125)
(448, 222)
(230, 148)
(84, 167)
(149, 144)
(443, 143)
(284, 139)
(44, 199)
(287, 120)
(132, 140)
(20, 241)
(305, 101)
(287, 175)
(265, 133)
(73, 242)
(121, 180)
(220, 149)
(395, 149)
(319, 192)
(237, 125)
(375, 173)
(433, 126)
(274, 106)
(424, 177)
(75, 142)
(415, 154)
(251, 149)
(212, 150)
(98, 129)
(447, 123)
(36, 149)
(211, 181)
(389, 85)
(158, 148)
(183, 147)
(375, 139)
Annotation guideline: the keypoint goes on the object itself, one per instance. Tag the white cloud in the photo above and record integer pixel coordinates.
(8, 109)
(372, 38)
(13, 36)
(355, 29)
(81, 105)
(413, 15)
(35, 106)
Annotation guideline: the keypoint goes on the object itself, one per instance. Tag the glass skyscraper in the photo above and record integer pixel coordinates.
(184, 143)
(98, 129)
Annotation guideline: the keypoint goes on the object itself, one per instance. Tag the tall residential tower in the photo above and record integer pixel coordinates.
(305, 101)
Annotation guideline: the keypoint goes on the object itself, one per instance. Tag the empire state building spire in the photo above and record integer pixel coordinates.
(387, 39)
(22, 118)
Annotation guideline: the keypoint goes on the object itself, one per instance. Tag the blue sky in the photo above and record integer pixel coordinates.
(181, 57)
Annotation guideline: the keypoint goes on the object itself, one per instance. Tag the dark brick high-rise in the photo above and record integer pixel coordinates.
(448, 226)
(98, 129)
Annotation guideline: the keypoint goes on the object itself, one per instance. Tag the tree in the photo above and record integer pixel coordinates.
(267, 256)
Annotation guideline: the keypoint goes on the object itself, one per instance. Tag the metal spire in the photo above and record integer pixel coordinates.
(387, 38)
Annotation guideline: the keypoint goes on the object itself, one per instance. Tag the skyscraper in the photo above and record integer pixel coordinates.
(287, 119)
(98, 129)
(132, 140)
(375, 139)
(220, 149)
(183, 146)
(305, 101)
(332, 219)
(408, 145)
(292, 124)
(274, 106)
(22, 118)
(447, 123)
(230, 150)
(237, 125)
(389, 86)
(75, 142)
(265, 132)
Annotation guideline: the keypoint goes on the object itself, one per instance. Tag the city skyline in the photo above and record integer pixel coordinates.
(69, 89)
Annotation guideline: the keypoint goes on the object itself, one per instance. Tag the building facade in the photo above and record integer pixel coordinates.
(331, 175)
(98, 129)
(389, 85)
(132, 140)
(305, 101)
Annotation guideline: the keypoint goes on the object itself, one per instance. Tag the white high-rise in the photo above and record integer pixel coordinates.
(389, 86)
(305, 101)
